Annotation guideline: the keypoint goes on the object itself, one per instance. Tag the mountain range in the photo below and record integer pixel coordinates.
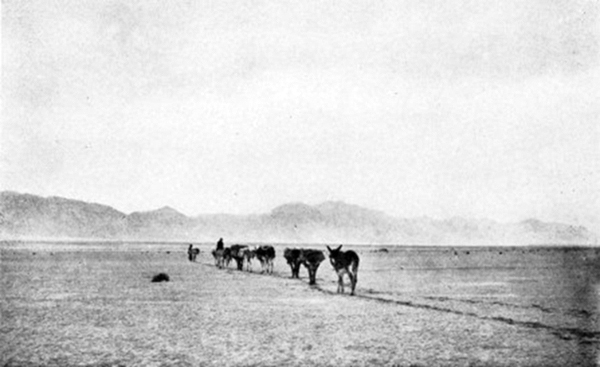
(25, 216)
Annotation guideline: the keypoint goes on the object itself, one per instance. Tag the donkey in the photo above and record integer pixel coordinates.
(238, 254)
(311, 259)
(344, 262)
(219, 254)
(292, 256)
(266, 255)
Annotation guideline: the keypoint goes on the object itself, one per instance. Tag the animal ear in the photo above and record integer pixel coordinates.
(329, 248)
(339, 248)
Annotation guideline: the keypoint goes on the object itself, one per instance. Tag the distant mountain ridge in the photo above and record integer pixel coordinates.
(25, 216)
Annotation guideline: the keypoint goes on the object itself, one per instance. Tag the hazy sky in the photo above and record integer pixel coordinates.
(417, 108)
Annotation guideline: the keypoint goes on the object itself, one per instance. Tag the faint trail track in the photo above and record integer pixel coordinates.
(571, 312)
(581, 313)
(581, 335)
(563, 333)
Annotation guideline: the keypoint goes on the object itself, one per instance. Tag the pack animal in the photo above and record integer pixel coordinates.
(311, 259)
(238, 254)
(218, 255)
(266, 255)
(292, 256)
(344, 262)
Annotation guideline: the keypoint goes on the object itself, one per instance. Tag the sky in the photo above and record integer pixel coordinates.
(476, 109)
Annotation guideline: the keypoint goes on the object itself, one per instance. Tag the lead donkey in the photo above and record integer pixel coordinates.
(344, 262)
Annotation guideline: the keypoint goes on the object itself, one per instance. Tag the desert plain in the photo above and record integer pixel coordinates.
(93, 304)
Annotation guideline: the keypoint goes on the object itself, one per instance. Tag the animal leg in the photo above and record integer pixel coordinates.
(312, 276)
(294, 271)
(352, 282)
(354, 276)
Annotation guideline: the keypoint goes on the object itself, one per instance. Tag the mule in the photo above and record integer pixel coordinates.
(344, 262)
(266, 254)
(238, 254)
(311, 259)
(292, 256)
(219, 254)
(219, 257)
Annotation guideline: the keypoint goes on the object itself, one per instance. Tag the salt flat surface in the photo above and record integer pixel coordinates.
(92, 304)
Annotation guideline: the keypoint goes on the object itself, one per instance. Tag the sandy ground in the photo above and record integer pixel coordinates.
(99, 308)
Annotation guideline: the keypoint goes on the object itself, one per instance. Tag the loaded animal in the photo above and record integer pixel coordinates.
(292, 256)
(238, 253)
(311, 259)
(219, 254)
(266, 255)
